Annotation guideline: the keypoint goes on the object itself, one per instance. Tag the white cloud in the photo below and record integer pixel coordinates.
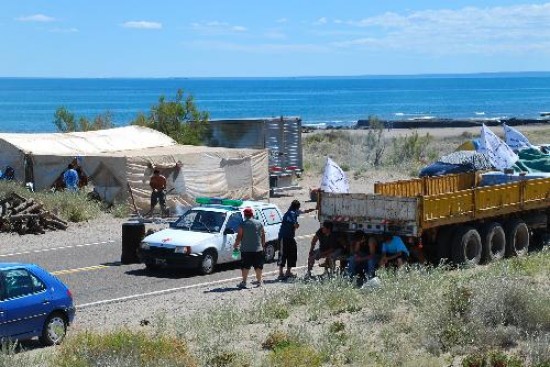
(469, 30)
(40, 18)
(64, 30)
(282, 20)
(275, 34)
(142, 24)
(215, 28)
(321, 21)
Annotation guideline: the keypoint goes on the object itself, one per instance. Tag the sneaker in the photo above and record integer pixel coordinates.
(260, 284)
(241, 285)
(290, 275)
(281, 277)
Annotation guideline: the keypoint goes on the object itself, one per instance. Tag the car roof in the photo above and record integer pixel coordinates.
(12, 265)
(245, 204)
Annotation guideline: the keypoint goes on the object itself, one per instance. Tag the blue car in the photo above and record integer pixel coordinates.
(33, 303)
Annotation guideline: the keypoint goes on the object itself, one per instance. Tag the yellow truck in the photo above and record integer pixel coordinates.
(450, 217)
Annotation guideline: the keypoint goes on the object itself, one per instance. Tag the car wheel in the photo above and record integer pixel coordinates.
(208, 262)
(269, 252)
(54, 330)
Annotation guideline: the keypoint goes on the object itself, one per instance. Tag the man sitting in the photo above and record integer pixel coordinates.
(327, 243)
(394, 251)
(363, 257)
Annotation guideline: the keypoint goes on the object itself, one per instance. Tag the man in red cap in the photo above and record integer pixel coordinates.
(251, 240)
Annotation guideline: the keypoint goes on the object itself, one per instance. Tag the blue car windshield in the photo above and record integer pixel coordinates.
(200, 221)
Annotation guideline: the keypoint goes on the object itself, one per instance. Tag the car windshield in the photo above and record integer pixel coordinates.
(201, 221)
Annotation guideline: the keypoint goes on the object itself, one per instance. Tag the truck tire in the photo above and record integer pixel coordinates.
(444, 244)
(517, 238)
(493, 240)
(467, 246)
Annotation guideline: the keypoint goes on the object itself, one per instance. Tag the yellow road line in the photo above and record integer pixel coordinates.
(78, 270)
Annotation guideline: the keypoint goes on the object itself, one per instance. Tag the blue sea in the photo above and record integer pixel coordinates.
(28, 104)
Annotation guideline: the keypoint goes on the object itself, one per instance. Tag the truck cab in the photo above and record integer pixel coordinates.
(205, 234)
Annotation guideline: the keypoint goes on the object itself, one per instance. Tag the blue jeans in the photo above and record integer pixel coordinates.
(367, 267)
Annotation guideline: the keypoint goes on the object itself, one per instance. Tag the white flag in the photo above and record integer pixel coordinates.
(334, 179)
(515, 139)
(500, 154)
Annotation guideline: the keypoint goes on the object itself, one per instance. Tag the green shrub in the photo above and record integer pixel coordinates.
(295, 355)
(123, 348)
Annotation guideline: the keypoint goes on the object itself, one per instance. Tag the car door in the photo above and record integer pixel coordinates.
(273, 220)
(228, 239)
(25, 303)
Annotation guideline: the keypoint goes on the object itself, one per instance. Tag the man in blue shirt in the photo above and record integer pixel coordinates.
(393, 251)
(288, 254)
(70, 178)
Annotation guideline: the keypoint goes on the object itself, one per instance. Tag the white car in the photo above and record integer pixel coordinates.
(204, 235)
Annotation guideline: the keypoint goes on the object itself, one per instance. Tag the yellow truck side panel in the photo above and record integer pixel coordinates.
(484, 202)
(427, 186)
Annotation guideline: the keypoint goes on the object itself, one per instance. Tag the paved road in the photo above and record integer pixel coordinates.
(94, 273)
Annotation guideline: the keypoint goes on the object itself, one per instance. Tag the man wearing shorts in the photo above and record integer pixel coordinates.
(251, 240)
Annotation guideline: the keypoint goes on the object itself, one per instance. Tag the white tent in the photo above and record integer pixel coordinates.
(115, 157)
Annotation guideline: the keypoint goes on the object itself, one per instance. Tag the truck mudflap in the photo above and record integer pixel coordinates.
(371, 213)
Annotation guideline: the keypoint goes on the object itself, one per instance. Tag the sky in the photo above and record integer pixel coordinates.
(271, 38)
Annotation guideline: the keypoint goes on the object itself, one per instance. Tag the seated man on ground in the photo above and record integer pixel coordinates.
(327, 243)
(363, 257)
(394, 251)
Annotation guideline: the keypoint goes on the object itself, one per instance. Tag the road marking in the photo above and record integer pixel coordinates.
(57, 248)
(170, 290)
(78, 270)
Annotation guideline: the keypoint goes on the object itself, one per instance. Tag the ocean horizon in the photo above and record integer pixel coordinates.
(29, 104)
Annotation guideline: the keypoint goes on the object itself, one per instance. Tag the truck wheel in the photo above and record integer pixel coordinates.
(467, 246)
(269, 252)
(208, 262)
(517, 238)
(493, 241)
(444, 245)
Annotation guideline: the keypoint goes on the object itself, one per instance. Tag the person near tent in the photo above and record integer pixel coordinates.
(158, 195)
(70, 178)
(8, 174)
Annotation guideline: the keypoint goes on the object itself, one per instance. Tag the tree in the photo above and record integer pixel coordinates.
(66, 122)
(180, 119)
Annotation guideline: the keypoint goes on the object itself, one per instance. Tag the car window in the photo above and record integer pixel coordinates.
(18, 282)
(272, 216)
(37, 284)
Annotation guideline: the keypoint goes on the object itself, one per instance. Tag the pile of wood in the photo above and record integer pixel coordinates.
(21, 215)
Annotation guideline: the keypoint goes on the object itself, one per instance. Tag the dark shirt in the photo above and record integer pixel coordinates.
(288, 226)
(326, 243)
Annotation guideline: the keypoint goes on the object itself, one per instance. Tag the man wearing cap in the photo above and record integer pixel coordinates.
(251, 240)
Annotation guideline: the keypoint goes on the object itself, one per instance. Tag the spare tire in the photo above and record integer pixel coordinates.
(467, 246)
(493, 240)
(517, 238)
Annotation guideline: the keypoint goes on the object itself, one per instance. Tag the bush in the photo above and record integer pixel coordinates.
(123, 348)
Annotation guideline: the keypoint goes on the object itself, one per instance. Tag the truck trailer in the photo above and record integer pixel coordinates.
(450, 218)
(282, 136)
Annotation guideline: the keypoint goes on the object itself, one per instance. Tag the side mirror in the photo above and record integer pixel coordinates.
(228, 231)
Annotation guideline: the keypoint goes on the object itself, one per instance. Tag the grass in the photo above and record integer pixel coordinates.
(495, 315)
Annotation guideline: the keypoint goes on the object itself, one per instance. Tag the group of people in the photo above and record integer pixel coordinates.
(360, 258)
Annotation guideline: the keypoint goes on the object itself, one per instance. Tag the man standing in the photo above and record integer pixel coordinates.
(70, 178)
(288, 255)
(251, 240)
(158, 184)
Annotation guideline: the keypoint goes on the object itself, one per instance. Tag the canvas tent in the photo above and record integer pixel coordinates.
(115, 157)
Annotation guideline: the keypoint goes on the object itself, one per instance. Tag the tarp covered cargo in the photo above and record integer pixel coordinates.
(115, 157)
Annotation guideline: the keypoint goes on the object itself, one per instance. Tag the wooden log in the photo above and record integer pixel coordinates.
(23, 206)
(16, 217)
(56, 224)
